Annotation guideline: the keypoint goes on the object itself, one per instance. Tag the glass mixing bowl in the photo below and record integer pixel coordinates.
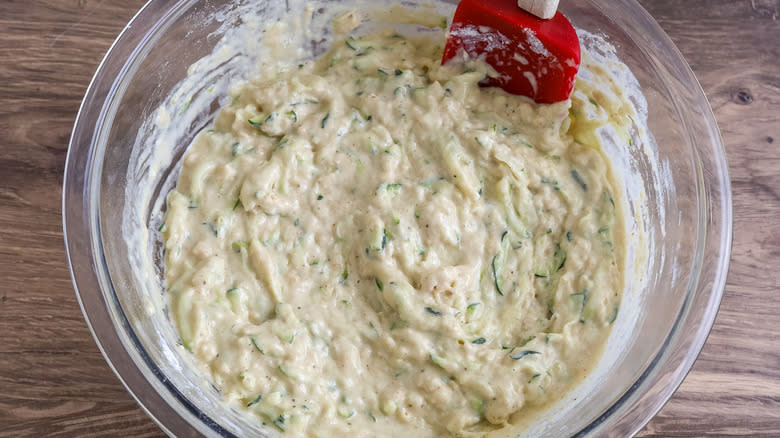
(116, 179)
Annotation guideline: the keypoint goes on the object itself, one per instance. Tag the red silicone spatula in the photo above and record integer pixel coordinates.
(533, 56)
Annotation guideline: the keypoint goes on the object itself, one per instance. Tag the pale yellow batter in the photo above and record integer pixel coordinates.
(373, 245)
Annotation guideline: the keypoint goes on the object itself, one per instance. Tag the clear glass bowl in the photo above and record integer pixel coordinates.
(684, 190)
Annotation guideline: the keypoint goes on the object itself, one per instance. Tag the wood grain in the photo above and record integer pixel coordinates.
(53, 380)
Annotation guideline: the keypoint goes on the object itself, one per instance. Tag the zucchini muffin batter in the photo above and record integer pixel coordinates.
(371, 244)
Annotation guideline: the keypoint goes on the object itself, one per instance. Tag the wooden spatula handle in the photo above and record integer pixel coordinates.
(544, 9)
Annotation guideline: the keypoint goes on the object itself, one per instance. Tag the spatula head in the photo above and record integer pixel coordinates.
(533, 57)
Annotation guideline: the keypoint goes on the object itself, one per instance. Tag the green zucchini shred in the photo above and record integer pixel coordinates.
(578, 178)
(526, 341)
(496, 275)
(186, 106)
(214, 230)
(608, 197)
(255, 344)
(352, 43)
(523, 354)
(279, 423)
(581, 298)
(614, 315)
(498, 264)
(556, 264)
(238, 245)
(433, 311)
(391, 187)
(346, 412)
(255, 401)
(437, 360)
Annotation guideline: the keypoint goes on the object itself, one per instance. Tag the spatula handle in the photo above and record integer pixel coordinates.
(544, 9)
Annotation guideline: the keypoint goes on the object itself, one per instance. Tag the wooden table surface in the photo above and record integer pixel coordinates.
(53, 379)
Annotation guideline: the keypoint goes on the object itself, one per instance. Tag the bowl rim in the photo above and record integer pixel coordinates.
(176, 415)
(89, 274)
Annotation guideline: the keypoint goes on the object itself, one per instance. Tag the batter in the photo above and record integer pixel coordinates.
(373, 245)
